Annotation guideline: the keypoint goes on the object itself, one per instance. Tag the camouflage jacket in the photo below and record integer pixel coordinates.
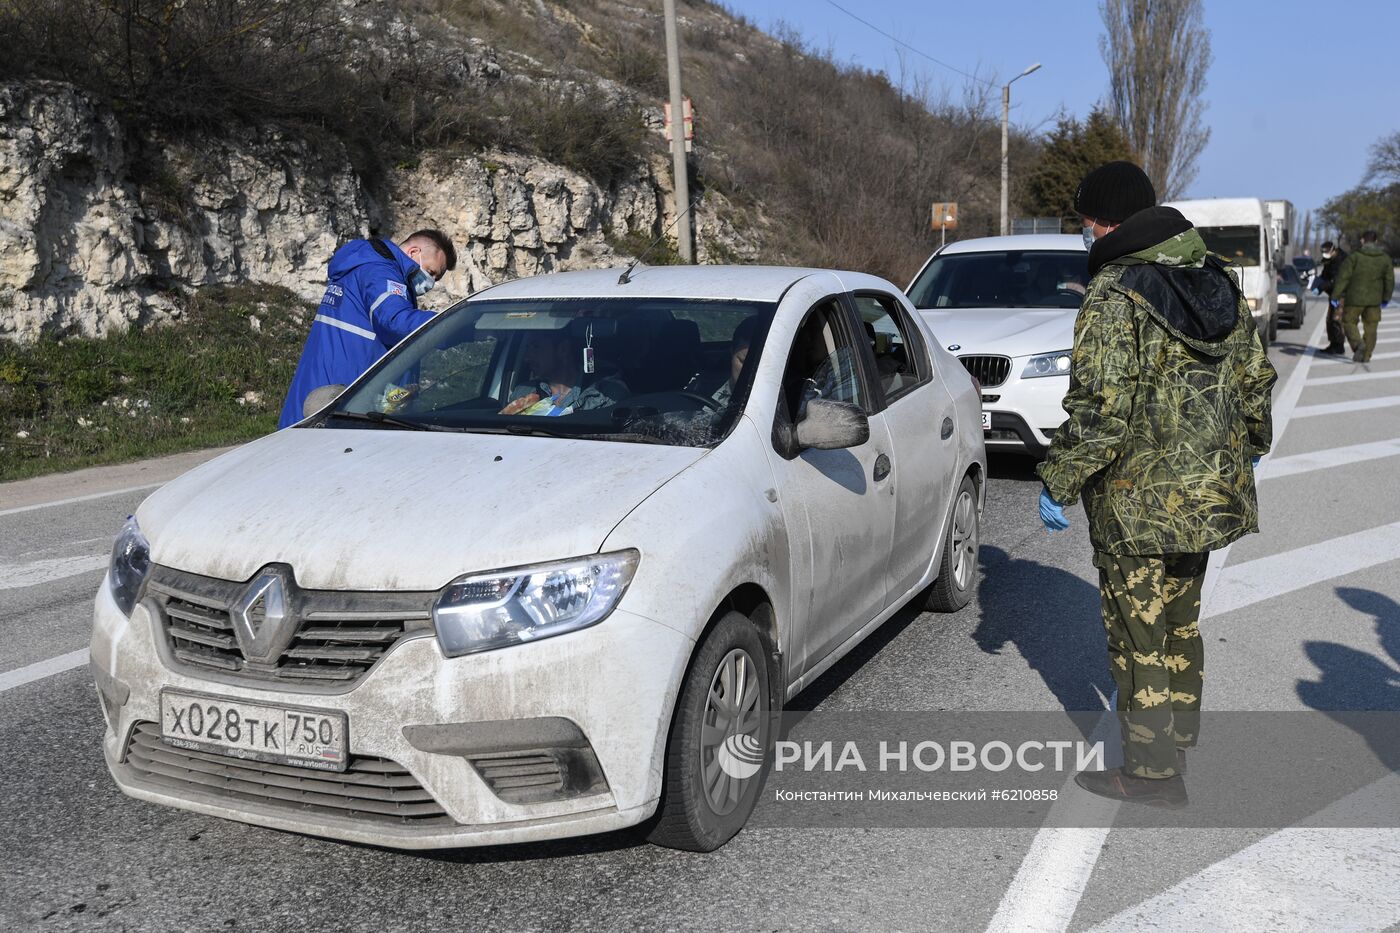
(1366, 278)
(1169, 398)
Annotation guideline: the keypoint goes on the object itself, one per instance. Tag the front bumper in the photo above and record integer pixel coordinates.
(613, 683)
(1025, 413)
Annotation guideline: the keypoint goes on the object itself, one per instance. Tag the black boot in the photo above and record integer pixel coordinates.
(1119, 785)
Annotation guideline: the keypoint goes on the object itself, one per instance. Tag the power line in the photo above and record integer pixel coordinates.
(900, 42)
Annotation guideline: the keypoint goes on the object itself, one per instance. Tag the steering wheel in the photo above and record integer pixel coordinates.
(704, 400)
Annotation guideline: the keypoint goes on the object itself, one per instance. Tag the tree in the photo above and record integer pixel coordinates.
(1157, 52)
(1385, 160)
(1071, 151)
(1366, 208)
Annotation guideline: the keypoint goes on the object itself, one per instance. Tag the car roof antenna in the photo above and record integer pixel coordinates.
(626, 276)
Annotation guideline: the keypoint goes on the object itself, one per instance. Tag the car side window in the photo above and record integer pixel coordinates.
(901, 363)
(822, 363)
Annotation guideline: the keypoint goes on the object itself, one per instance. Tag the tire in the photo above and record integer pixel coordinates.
(1273, 329)
(957, 572)
(702, 804)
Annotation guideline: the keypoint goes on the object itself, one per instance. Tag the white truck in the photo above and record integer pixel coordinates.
(1281, 221)
(1240, 231)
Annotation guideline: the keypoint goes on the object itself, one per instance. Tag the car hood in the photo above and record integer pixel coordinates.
(399, 510)
(1005, 331)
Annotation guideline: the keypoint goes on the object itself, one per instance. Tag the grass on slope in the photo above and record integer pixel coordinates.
(217, 376)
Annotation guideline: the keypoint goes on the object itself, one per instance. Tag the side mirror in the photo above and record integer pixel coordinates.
(320, 398)
(832, 425)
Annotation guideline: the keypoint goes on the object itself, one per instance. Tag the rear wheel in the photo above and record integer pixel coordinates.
(717, 753)
(957, 572)
(1273, 328)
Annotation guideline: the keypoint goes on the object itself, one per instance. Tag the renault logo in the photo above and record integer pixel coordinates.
(261, 620)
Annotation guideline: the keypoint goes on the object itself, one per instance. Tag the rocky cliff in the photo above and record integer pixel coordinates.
(102, 227)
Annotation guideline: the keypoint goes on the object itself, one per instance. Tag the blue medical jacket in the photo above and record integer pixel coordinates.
(368, 308)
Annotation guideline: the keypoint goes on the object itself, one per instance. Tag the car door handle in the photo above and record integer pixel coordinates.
(882, 467)
(947, 431)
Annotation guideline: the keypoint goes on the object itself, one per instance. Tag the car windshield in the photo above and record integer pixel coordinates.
(1238, 245)
(1288, 274)
(1004, 279)
(643, 370)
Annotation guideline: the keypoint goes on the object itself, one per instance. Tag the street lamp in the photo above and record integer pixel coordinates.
(1005, 119)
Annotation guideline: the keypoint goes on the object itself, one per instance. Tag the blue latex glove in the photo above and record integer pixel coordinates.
(1385, 304)
(1052, 513)
(1254, 461)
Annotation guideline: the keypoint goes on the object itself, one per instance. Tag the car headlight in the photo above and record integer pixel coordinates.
(131, 562)
(1253, 303)
(1047, 364)
(486, 611)
(1287, 298)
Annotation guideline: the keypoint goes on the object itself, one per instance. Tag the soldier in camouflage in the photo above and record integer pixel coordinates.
(1169, 411)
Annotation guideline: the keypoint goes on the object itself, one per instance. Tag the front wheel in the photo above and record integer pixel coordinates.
(718, 752)
(957, 572)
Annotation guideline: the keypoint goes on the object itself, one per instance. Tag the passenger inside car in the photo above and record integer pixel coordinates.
(559, 384)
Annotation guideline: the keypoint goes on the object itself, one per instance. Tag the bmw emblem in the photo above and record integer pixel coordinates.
(954, 347)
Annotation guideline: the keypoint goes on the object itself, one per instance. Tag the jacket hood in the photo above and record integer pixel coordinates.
(1158, 234)
(1372, 249)
(359, 253)
(400, 510)
(1192, 296)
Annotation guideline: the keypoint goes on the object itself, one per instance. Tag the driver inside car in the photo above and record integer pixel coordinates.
(559, 384)
(739, 345)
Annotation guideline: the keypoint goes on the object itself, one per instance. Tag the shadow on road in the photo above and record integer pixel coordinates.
(1349, 679)
(1053, 618)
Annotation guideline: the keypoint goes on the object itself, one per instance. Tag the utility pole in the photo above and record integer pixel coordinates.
(678, 161)
(1005, 120)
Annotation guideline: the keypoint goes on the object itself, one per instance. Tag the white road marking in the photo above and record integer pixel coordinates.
(1330, 457)
(1293, 880)
(1342, 408)
(1347, 359)
(1355, 377)
(14, 576)
(1267, 577)
(1050, 882)
(41, 669)
(1387, 340)
(87, 498)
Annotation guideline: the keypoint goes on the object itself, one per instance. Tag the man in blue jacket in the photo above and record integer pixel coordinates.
(371, 303)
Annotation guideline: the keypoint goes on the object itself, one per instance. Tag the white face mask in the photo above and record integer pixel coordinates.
(1089, 238)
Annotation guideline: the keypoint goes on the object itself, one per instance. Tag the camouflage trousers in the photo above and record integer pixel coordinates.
(1151, 605)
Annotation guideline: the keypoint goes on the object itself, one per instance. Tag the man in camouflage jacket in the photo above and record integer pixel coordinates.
(1169, 410)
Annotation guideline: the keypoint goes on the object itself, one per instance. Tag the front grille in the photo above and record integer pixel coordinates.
(338, 637)
(990, 371)
(372, 790)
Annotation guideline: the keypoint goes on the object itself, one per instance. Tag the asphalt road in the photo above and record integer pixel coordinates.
(1303, 615)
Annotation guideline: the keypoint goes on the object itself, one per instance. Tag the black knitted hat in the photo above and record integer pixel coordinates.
(1114, 191)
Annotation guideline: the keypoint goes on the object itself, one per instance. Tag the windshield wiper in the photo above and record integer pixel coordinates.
(626, 437)
(378, 417)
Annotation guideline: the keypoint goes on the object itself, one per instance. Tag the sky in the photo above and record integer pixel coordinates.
(1296, 94)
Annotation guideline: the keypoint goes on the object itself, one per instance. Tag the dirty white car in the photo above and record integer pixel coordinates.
(1006, 307)
(549, 567)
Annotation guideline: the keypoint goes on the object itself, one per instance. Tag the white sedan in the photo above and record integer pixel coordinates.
(549, 567)
(1006, 307)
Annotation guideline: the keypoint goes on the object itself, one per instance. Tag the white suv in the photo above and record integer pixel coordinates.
(1005, 306)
